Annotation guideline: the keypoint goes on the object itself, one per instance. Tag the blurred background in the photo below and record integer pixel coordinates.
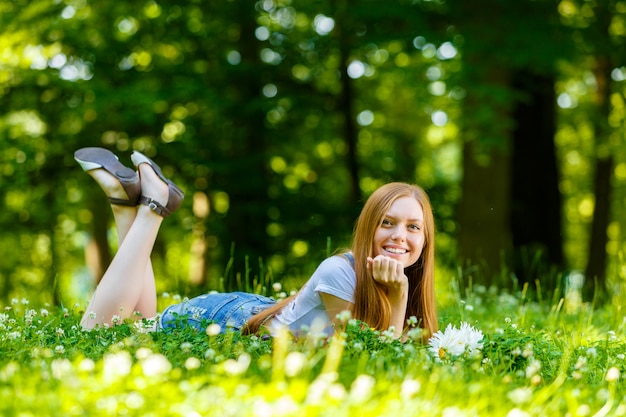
(279, 117)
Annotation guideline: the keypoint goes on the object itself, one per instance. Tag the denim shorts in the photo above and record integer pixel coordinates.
(230, 310)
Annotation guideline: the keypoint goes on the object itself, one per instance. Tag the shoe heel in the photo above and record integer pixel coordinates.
(87, 165)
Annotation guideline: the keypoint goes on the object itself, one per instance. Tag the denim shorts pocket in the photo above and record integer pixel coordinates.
(229, 310)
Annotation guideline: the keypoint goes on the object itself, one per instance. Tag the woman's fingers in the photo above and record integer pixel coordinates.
(386, 270)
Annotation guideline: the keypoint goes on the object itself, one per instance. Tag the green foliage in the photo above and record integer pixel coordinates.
(529, 365)
(242, 104)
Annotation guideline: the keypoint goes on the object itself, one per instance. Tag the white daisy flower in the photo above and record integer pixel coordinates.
(456, 342)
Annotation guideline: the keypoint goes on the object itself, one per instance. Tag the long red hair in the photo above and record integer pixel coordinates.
(371, 303)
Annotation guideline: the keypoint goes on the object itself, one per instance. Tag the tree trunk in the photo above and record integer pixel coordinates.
(484, 211)
(484, 237)
(346, 97)
(536, 199)
(247, 216)
(595, 274)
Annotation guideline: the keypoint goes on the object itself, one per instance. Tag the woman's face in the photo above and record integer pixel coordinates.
(400, 234)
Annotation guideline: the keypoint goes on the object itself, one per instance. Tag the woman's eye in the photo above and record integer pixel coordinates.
(415, 227)
(386, 222)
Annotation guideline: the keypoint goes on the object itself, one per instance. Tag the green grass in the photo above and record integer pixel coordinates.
(536, 360)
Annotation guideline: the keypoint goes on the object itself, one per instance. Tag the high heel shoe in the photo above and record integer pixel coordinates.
(176, 195)
(94, 158)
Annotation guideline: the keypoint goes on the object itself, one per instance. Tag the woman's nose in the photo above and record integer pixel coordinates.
(398, 234)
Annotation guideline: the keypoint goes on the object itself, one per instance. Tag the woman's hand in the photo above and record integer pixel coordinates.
(390, 273)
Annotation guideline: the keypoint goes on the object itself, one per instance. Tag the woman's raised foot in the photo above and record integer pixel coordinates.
(158, 193)
(120, 183)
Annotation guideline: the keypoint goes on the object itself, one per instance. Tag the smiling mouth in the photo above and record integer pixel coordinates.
(395, 251)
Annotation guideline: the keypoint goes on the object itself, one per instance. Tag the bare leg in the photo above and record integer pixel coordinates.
(147, 303)
(128, 284)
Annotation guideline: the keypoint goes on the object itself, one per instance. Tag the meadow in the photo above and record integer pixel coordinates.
(534, 358)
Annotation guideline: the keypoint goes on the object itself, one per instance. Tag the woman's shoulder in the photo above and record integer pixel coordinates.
(342, 260)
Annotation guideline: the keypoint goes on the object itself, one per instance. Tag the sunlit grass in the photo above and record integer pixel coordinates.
(536, 359)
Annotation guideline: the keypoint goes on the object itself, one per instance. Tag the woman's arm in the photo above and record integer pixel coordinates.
(390, 273)
(335, 305)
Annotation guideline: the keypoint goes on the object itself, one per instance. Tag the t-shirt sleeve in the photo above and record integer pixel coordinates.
(335, 276)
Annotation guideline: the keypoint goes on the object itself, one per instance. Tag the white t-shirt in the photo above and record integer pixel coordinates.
(334, 276)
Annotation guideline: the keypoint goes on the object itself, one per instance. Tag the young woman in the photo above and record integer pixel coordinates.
(385, 278)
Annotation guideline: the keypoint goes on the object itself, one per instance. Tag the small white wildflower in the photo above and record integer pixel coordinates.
(344, 316)
(192, 363)
(86, 365)
(209, 354)
(409, 388)
(59, 349)
(234, 367)
(277, 287)
(412, 321)
(583, 410)
(116, 319)
(143, 353)
(336, 392)
(621, 356)
(611, 335)
(516, 412)
(528, 350)
(176, 298)
(507, 320)
(415, 333)
(116, 365)
(165, 295)
(520, 395)
(186, 346)
(452, 412)
(60, 368)
(361, 388)
(535, 380)
(60, 332)
(92, 315)
(581, 363)
(14, 335)
(469, 307)
(358, 346)
(294, 363)
(44, 312)
(592, 352)
(213, 329)
(156, 365)
(282, 295)
(517, 351)
(388, 336)
(612, 374)
(533, 368)
(25, 301)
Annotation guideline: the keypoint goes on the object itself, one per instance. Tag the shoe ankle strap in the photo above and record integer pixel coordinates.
(155, 206)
